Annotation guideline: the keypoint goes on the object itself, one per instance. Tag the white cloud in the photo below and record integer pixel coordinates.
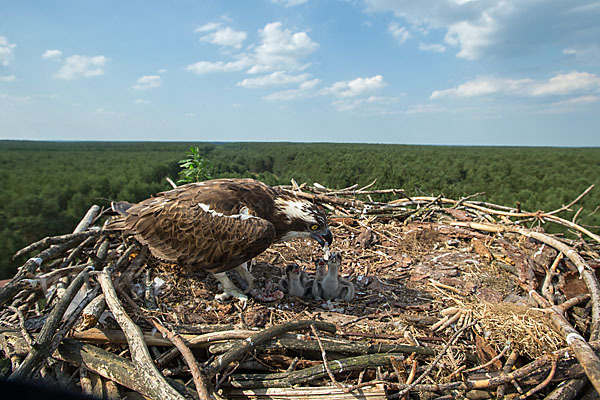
(572, 83)
(477, 87)
(355, 87)
(207, 67)
(277, 78)
(226, 37)
(472, 38)
(504, 28)
(148, 82)
(6, 51)
(81, 66)
(436, 47)
(52, 54)
(304, 91)
(141, 101)
(400, 33)
(289, 3)
(211, 26)
(281, 49)
(568, 83)
(8, 78)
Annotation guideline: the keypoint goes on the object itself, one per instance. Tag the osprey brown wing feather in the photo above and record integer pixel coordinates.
(177, 229)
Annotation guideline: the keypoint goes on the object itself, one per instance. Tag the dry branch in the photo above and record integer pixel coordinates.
(199, 379)
(48, 241)
(157, 385)
(243, 347)
(41, 346)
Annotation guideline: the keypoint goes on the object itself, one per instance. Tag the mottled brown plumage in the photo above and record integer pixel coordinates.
(220, 224)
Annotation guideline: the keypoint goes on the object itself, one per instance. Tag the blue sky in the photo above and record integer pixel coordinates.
(460, 72)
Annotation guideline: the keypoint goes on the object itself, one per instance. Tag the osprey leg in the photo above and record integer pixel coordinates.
(229, 288)
(246, 275)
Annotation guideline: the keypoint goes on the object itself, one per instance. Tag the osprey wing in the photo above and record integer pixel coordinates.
(179, 229)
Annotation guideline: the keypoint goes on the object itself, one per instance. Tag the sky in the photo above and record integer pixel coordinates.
(455, 72)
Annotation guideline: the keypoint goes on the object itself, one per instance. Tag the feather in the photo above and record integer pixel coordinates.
(216, 225)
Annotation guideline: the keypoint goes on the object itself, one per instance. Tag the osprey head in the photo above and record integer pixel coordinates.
(302, 218)
(292, 269)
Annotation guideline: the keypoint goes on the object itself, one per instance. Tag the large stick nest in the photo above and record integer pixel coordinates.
(460, 283)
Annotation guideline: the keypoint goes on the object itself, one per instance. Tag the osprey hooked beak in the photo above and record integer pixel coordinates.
(323, 236)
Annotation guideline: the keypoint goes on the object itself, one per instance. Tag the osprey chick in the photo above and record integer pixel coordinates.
(220, 224)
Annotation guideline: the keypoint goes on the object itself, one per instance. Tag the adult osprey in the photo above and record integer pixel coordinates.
(220, 224)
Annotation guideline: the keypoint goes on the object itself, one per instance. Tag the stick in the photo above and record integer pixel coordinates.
(95, 359)
(409, 387)
(241, 348)
(567, 390)
(16, 284)
(157, 385)
(22, 327)
(48, 241)
(199, 379)
(584, 270)
(542, 384)
(346, 347)
(583, 351)
(285, 379)
(202, 341)
(325, 363)
(87, 219)
(41, 347)
(563, 208)
(487, 364)
(173, 184)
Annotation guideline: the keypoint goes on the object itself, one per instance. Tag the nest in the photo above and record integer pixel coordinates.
(529, 331)
(450, 295)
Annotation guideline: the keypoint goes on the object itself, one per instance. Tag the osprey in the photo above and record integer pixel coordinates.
(220, 224)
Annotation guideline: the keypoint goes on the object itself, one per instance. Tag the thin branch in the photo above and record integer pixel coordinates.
(199, 379)
(152, 378)
(325, 362)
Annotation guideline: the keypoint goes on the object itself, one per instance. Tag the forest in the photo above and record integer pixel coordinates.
(48, 186)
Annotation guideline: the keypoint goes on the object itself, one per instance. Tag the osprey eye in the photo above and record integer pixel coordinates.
(314, 227)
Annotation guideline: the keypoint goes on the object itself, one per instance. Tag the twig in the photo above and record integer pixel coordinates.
(583, 352)
(309, 374)
(206, 338)
(199, 379)
(173, 184)
(22, 327)
(585, 272)
(48, 241)
(41, 346)
(368, 186)
(87, 219)
(16, 284)
(563, 208)
(152, 378)
(242, 347)
(542, 384)
(567, 390)
(487, 364)
(325, 363)
(432, 364)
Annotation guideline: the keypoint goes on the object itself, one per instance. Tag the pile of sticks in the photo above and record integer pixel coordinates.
(68, 317)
